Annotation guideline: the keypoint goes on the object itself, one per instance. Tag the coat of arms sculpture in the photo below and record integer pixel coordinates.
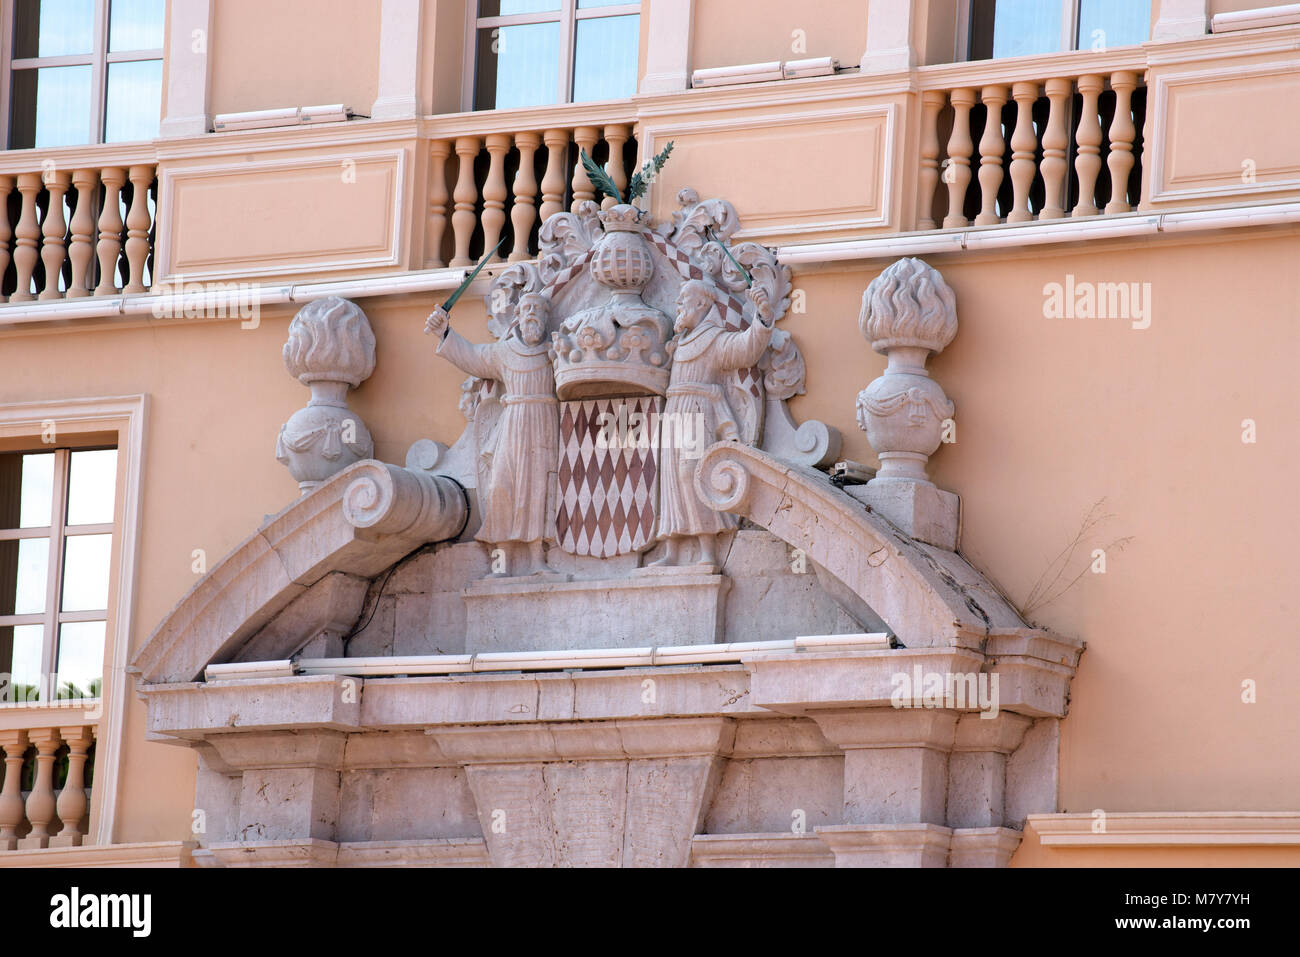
(626, 350)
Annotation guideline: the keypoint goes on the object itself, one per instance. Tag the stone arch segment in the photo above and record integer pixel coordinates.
(928, 596)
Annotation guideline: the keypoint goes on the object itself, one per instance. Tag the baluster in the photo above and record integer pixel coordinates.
(1088, 135)
(54, 232)
(524, 210)
(40, 802)
(29, 237)
(931, 103)
(557, 144)
(436, 225)
(83, 231)
(110, 231)
(615, 136)
(1122, 133)
(137, 227)
(1055, 141)
(1024, 142)
(463, 219)
(72, 799)
(992, 146)
(12, 812)
(6, 187)
(583, 189)
(495, 192)
(957, 172)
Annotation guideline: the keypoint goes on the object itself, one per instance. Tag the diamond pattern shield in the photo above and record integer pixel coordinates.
(608, 475)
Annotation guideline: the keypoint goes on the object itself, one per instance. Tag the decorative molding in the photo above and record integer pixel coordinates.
(760, 850)
(1156, 159)
(127, 415)
(391, 254)
(148, 854)
(1169, 829)
(763, 224)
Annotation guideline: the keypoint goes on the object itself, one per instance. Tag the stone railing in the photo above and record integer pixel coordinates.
(1033, 138)
(78, 223)
(506, 173)
(45, 794)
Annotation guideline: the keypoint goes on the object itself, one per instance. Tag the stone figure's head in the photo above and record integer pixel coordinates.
(532, 313)
(694, 300)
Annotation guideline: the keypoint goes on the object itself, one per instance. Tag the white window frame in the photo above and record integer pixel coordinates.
(1069, 28)
(58, 532)
(98, 59)
(127, 416)
(567, 16)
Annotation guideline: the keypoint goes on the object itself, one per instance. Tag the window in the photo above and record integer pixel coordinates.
(84, 71)
(1007, 28)
(56, 542)
(537, 52)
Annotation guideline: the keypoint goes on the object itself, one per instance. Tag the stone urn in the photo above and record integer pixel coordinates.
(331, 349)
(908, 314)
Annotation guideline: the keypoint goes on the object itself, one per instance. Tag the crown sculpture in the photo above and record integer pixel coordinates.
(627, 349)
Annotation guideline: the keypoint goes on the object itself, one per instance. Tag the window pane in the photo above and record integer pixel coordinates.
(51, 107)
(505, 8)
(134, 101)
(91, 486)
(587, 4)
(81, 659)
(53, 27)
(605, 58)
(20, 658)
(1002, 28)
(26, 489)
(24, 568)
(85, 572)
(135, 25)
(1113, 23)
(519, 66)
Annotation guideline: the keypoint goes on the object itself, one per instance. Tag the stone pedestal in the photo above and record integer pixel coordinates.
(923, 511)
(531, 614)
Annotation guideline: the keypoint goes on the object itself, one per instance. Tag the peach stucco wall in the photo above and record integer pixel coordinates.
(730, 32)
(294, 53)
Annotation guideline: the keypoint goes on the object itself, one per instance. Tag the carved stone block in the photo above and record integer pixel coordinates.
(925, 512)
(525, 614)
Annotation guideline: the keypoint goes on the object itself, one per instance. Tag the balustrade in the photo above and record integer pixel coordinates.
(80, 231)
(495, 181)
(1040, 149)
(37, 809)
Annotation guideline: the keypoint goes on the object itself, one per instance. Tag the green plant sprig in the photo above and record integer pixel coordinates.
(749, 280)
(599, 178)
(460, 290)
(647, 173)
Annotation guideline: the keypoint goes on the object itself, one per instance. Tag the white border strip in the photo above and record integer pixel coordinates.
(544, 660)
(227, 297)
(1120, 226)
